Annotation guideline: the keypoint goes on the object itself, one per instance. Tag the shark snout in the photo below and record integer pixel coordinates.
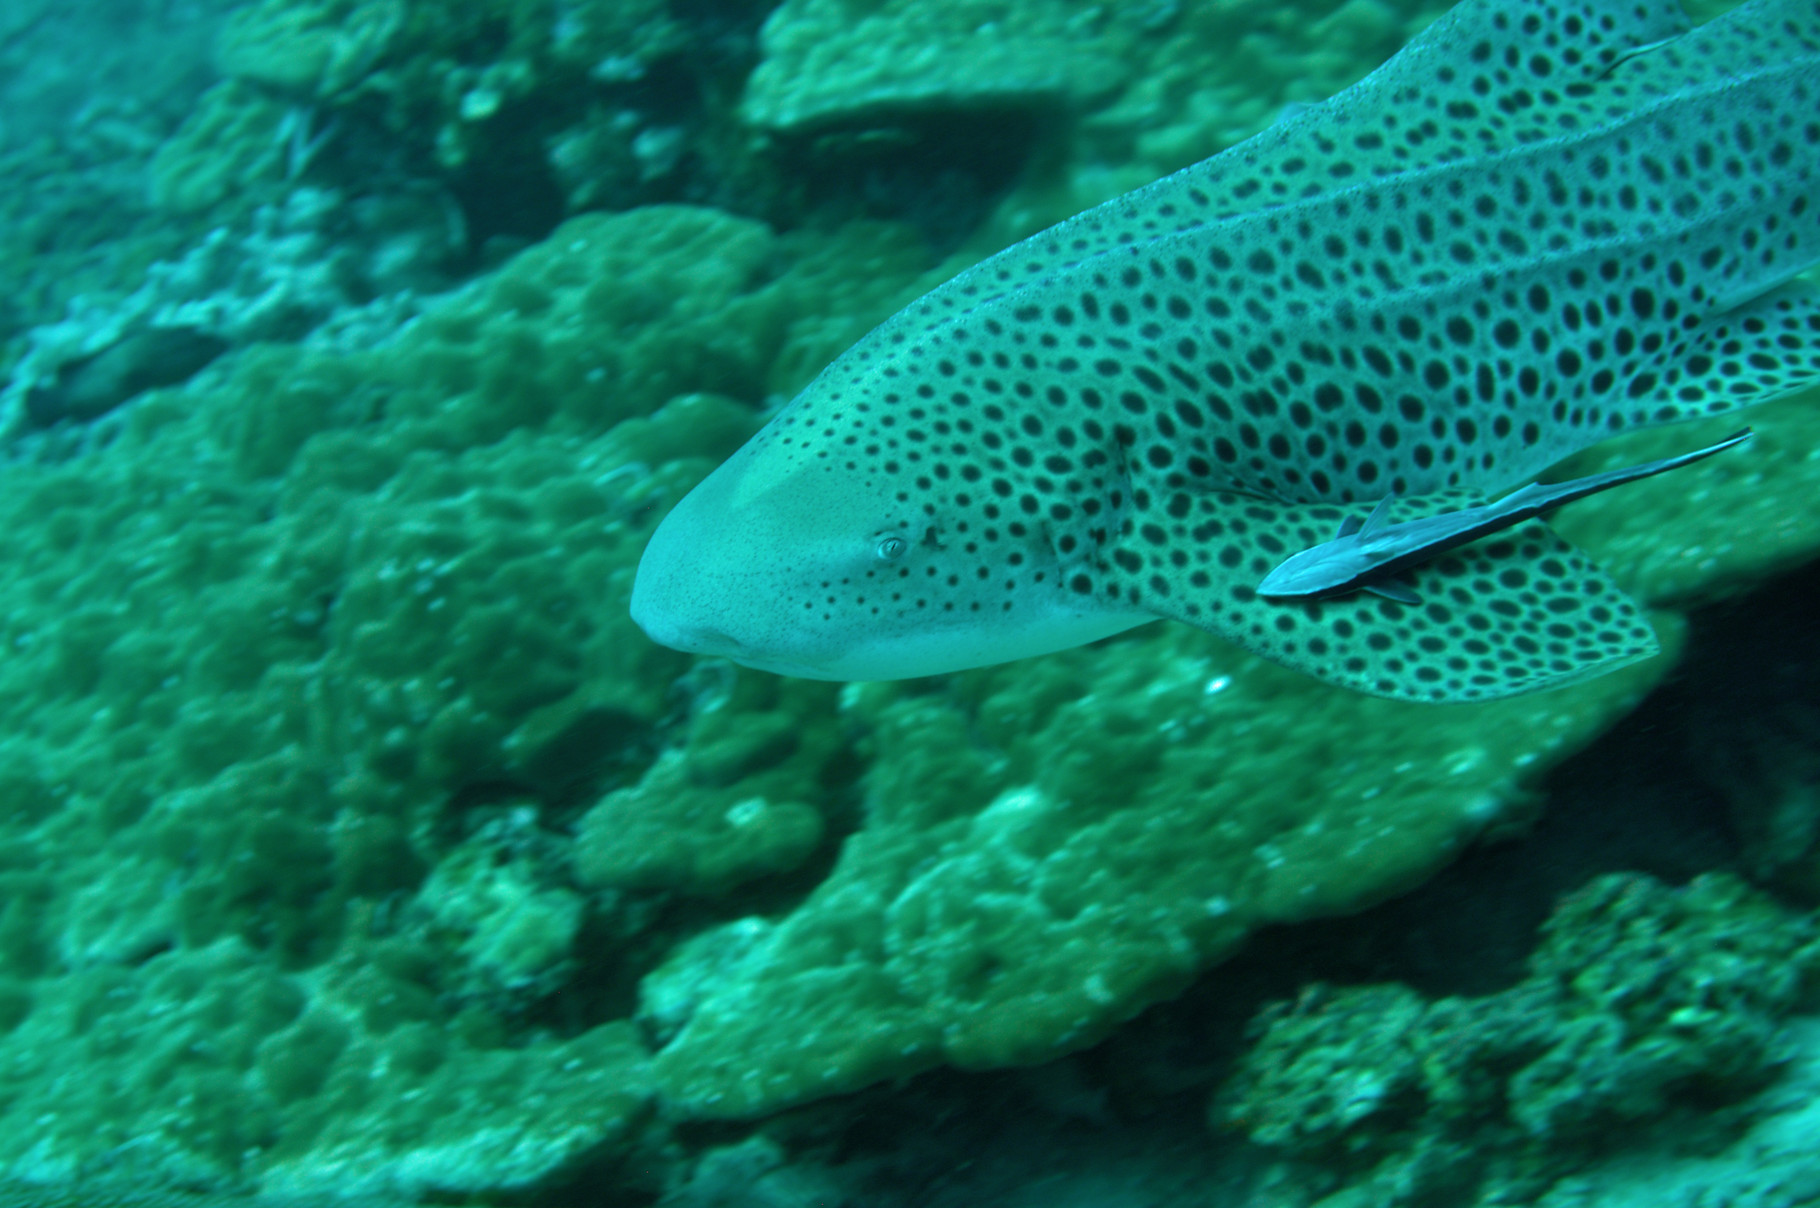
(663, 610)
(690, 639)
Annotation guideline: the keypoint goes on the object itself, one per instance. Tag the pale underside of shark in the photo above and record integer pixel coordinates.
(1539, 225)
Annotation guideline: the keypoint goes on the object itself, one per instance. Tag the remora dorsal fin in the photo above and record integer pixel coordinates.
(1766, 348)
(1379, 519)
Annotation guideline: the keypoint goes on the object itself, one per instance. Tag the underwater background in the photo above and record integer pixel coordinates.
(356, 848)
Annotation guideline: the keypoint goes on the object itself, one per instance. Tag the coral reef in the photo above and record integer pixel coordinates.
(305, 659)
(206, 1066)
(91, 386)
(463, 97)
(313, 262)
(355, 843)
(743, 798)
(1643, 1003)
(828, 60)
(496, 902)
(1050, 847)
(238, 143)
(1753, 732)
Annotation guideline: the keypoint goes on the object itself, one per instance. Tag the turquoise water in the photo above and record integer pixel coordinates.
(356, 847)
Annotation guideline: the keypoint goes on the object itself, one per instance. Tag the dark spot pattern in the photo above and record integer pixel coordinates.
(1572, 221)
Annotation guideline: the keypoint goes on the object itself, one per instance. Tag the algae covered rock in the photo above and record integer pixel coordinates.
(1666, 990)
(512, 922)
(1347, 1071)
(540, 422)
(841, 60)
(660, 836)
(233, 144)
(459, 85)
(743, 800)
(1642, 1000)
(307, 660)
(455, 1119)
(1052, 846)
(313, 48)
(208, 1067)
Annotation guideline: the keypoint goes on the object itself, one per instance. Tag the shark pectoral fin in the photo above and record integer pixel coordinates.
(1511, 613)
(1763, 349)
(1082, 543)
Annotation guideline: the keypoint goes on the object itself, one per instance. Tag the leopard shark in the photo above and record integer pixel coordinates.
(1541, 224)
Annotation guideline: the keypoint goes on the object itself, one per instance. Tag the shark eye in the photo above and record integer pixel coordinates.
(891, 548)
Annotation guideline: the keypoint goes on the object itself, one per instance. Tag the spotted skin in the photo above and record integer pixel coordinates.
(1540, 224)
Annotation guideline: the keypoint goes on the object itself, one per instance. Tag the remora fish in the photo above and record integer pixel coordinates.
(1538, 225)
(1365, 555)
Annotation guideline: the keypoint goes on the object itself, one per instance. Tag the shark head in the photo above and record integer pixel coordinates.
(805, 557)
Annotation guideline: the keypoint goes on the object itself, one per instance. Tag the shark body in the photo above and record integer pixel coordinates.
(1540, 224)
